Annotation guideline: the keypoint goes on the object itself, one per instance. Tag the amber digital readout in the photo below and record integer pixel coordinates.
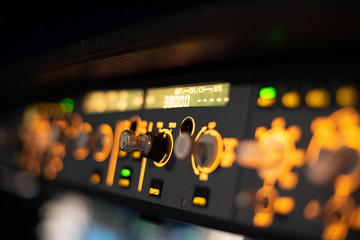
(207, 95)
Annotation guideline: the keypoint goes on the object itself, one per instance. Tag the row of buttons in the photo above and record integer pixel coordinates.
(318, 98)
(200, 198)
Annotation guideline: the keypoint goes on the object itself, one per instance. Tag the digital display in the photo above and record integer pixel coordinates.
(96, 102)
(207, 95)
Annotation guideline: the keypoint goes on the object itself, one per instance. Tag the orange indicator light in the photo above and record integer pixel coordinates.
(347, 96)
(284, 205)
(318, 98)
(263, 219)
(122, 154)
(95, 179)
(159, 125)
(123, 182)
(335, 231)
(199, 201)
(136, 155)
(263, 102)
(291, 99)
(312, 209)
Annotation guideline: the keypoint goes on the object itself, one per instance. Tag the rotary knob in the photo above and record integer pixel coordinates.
(151, 145)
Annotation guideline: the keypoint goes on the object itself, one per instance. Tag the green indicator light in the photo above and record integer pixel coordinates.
(67, 105)
(125, 172)
(267, 93)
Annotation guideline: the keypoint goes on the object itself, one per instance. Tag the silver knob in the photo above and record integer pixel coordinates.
(130, 142)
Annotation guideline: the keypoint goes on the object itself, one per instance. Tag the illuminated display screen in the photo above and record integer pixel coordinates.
(207, 95)
(113, 101)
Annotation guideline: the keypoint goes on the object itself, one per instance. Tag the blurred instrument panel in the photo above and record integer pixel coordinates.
(270, 152)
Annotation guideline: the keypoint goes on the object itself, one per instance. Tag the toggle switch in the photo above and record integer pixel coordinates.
(151, 145)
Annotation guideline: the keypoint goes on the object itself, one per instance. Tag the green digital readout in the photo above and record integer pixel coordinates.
(207, 95)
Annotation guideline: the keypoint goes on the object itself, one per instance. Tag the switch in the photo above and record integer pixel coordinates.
(151, 145)
(201, 196)
(155, 187)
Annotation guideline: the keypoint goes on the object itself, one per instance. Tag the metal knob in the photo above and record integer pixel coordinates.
(130, 142)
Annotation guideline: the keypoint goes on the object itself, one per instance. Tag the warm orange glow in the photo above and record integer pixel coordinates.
(172, 124)
(86, 127)
(288, 181)
(81, 153)
(229, 155)
(347, 96)
(159, 125)
(284, 205)
(58, 149)
(193, 124)
(203, 172)
(266, 102)
(119, 128)
(143, 163)
(33, 167)
(107, 131)
(154, 191)
(57, 164)
(274, 154)
(50, 173)
(355, 219)
(136, 154)
(211, 125)
(122, 154)
(142, 173)
(123, 182)
(143, 127)
(95, 179)
(343, 185)
(150, 126)
(167, 156)
(199, 201)
(335, 231)
(263, 219)
(318, 98)
(338, 134)
(291, 99)
(312, 210)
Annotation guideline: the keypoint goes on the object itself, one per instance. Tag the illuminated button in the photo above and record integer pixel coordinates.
(125, 173)
(199, 201)
(95, 178)
(291, 99)
(318, 98)
(124, 182)
(122, 154)
(136, 155)
(267, 97)
(155, 187)
(347, 96)
(201, 196)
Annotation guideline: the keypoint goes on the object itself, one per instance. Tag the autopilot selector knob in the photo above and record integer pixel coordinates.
(203, 150)
(150, 145)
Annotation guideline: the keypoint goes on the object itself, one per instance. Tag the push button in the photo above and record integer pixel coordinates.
(155, 187)
(201, 196)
